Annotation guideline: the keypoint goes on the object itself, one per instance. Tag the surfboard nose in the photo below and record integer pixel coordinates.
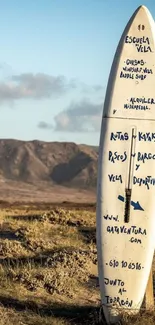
(142, 11)
(142, 7)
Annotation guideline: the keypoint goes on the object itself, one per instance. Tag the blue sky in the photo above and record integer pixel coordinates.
(55, 58)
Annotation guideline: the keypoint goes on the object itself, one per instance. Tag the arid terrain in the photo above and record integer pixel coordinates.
(48, 258)
(48, 266)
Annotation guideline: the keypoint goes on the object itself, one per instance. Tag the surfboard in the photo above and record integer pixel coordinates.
(126, 171)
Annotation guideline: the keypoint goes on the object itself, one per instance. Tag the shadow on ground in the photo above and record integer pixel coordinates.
(93, 282)
(74, 314)
(8, 234)
(89, 234)
(26, 217)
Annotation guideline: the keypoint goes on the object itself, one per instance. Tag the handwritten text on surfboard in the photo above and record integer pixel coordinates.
(147, 181)
(124, 264)
(115, 156)
(118, 301)
(135, 69)
(142, 43)
(141, 156)
(139, 103)
(136, 233)
(116, 282)
(119, 283)
(124, 136)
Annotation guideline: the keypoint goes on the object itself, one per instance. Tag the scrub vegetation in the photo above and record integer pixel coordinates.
(48, 266)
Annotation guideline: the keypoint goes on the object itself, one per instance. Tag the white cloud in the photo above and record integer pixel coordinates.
(83, 116)
(39, 86)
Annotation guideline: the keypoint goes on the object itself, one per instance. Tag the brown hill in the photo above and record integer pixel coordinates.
(65, 164)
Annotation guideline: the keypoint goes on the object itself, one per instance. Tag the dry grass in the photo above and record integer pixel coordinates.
(48, 268)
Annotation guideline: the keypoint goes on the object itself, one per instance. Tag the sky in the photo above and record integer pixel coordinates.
(55, 59)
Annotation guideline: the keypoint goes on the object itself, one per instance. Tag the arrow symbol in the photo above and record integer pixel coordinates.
(135, 205)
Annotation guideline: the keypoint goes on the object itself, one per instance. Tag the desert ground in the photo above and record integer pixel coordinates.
(48, 265)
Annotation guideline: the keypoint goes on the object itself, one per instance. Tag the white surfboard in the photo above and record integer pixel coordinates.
(126, 171)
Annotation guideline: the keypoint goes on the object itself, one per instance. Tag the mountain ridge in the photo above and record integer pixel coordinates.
(57, 163)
